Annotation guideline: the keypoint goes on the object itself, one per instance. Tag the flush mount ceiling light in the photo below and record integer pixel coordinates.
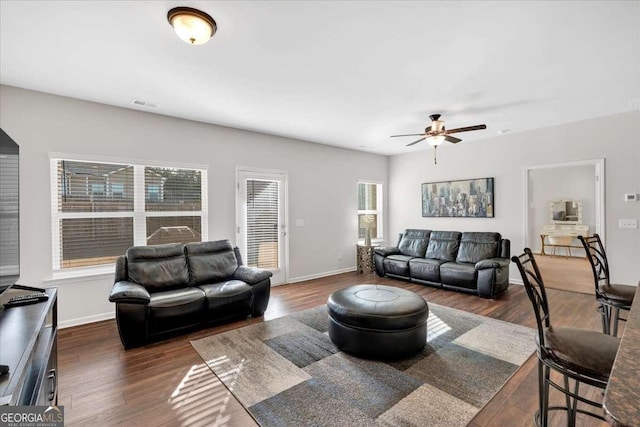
(192, 25)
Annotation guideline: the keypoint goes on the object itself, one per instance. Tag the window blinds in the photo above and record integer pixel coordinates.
(99, 210)
(262, 223)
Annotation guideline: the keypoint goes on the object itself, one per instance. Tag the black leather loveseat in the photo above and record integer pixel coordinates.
(471, 262)
(165, 288)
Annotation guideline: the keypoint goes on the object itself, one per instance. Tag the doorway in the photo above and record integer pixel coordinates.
(565, 266)
(261, 220)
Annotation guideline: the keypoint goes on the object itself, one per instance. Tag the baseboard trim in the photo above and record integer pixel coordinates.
(516, 282)
(320, 275)
(87, 319)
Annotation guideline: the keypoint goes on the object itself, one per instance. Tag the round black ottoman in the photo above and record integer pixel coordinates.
(377, 321)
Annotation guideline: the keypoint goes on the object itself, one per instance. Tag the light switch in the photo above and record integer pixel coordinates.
(299, 222)
(628, 223)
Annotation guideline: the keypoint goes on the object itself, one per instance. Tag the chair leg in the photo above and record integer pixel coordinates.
(544, 404)
(575, 404)
(601, 310)
(606, 319)
(614, 319)
(569, 403)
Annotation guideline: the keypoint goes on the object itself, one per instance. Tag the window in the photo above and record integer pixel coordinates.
(370, 209)
(101, 209)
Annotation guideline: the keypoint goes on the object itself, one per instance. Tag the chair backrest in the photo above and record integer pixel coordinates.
(477, 246)
(158, 268)
(210, 262)
(535, 290)
(414, 242)
(443, 245)
(597, 258)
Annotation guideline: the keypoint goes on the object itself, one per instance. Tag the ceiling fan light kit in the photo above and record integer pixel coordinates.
(436, 134)
(436, 140)
(192, 25)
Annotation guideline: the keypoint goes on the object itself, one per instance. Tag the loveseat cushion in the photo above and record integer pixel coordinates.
(159, 267)
(443, 245)
(478, 246)
(177, 302)
(414, 242)
(227, 292)
(425, 269)
(210, 262)
(397, 264)
(458, 275)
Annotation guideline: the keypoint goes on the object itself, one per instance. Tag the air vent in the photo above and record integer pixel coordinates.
(144, 103)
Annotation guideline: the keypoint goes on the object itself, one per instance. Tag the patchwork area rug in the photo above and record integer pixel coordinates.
(287, 372)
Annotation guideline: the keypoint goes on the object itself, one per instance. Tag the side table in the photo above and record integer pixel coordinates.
(364, 259)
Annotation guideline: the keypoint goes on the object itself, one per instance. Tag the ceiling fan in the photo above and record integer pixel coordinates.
(436, 134)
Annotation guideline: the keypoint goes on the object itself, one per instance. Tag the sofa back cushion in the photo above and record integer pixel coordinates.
(210, 262)
(158, 267)
(478, 246)
(414, 242)
(443, 245)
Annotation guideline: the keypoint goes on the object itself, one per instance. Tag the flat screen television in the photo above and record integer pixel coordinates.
(9, 212)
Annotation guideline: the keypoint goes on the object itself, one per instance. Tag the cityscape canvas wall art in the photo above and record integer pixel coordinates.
(465, 198)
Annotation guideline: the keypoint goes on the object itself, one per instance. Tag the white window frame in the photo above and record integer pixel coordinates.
(138, 214)
(379, 212)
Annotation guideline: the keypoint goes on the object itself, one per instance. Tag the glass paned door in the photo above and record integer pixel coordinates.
(261, 228)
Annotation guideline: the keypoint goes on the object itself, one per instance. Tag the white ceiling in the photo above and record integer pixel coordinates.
(347, 74)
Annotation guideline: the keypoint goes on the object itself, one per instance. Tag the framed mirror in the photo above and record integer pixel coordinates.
(565, 212)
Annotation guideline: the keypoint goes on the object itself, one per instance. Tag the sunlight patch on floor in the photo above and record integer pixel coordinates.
(200, 398)
(436, 327)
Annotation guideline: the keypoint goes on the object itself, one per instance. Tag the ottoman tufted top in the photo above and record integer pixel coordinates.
(378, 307)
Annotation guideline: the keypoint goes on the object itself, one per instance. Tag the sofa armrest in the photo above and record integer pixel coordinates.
(121, 269)
(492, 263)
(251, 275)
(132, 293)
(386, 251)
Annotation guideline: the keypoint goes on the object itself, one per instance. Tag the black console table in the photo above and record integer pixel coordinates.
(28, 344)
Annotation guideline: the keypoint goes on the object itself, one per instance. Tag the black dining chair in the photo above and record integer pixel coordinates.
(584, 356)
(611, 297)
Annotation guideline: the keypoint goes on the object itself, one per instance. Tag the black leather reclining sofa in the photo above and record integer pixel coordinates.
(166, 288)
(470, 262)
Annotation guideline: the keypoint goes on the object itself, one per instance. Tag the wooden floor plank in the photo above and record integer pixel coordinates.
(166, 383)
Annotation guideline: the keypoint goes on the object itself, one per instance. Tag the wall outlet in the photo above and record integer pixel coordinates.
(628, 223)
(339, 256)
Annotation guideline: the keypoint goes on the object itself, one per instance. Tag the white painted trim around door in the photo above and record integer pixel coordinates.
(599, 165)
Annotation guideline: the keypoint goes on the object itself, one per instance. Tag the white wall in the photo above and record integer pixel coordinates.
(561, 183)
(615, 138)
(322, 183)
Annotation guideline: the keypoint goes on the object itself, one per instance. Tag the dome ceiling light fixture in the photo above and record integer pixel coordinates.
(192, 25)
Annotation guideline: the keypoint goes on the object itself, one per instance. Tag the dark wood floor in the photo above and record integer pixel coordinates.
(167, 383)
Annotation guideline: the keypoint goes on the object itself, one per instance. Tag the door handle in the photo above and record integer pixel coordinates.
(284, 233)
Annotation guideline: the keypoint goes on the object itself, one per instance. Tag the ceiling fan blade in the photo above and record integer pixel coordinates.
(408, 134)
(465, 129)
(452, 139)
(415, 142)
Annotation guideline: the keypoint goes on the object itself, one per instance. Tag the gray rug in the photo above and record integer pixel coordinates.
(287, 372)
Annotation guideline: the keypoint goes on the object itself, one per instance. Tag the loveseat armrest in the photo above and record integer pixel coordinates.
(129, 292)
(385, 251)
(492, 263)
(251, 275)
